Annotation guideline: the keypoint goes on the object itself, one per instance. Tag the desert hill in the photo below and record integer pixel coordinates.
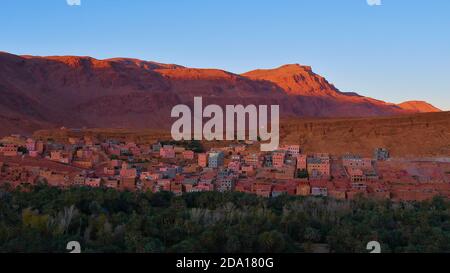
(419, 106)
(70, 91)
(414, 135)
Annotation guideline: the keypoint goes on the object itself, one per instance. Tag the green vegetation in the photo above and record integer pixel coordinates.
(193, 145)
(140, 161)
(22, 150)
(302, 174)
(44, 219)
(129, 154)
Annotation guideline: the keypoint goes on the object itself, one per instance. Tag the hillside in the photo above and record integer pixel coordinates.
(70, 91)
(419, 106)
(417, 135)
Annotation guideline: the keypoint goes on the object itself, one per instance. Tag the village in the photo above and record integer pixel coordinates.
(240, 166)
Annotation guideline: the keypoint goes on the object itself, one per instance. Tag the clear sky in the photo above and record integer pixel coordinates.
(397, 51)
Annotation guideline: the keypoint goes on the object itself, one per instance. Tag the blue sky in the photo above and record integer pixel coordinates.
(397, 51)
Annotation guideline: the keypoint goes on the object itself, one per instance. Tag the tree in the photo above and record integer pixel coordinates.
(44, 219)
(271, 242)
(22, 150)
(302, 173)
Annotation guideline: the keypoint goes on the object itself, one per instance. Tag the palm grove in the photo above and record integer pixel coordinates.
(44, 219)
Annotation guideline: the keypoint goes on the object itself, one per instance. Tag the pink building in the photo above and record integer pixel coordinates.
(40, 147)
(262, 189)
(167, 152)
(92, 182)
(114, 151)
(252, 159)
(9, 150)
(291, 150)
(203, 187)
(109, 171)
(30, 145)
(164, 184)
(356, 174)
(33, 153)
(74, 140)
(249, 170)
(127, 172)
(234, 166)
(112, 183)
(203, 160)
(189, 155)
(301, 162)
(318, 168)
(356, 162)
(61, 156)
(278, 159)
(115, 163)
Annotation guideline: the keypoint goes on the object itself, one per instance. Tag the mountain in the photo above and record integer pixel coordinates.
(70, 91)
(419, 107)
(296, 79)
